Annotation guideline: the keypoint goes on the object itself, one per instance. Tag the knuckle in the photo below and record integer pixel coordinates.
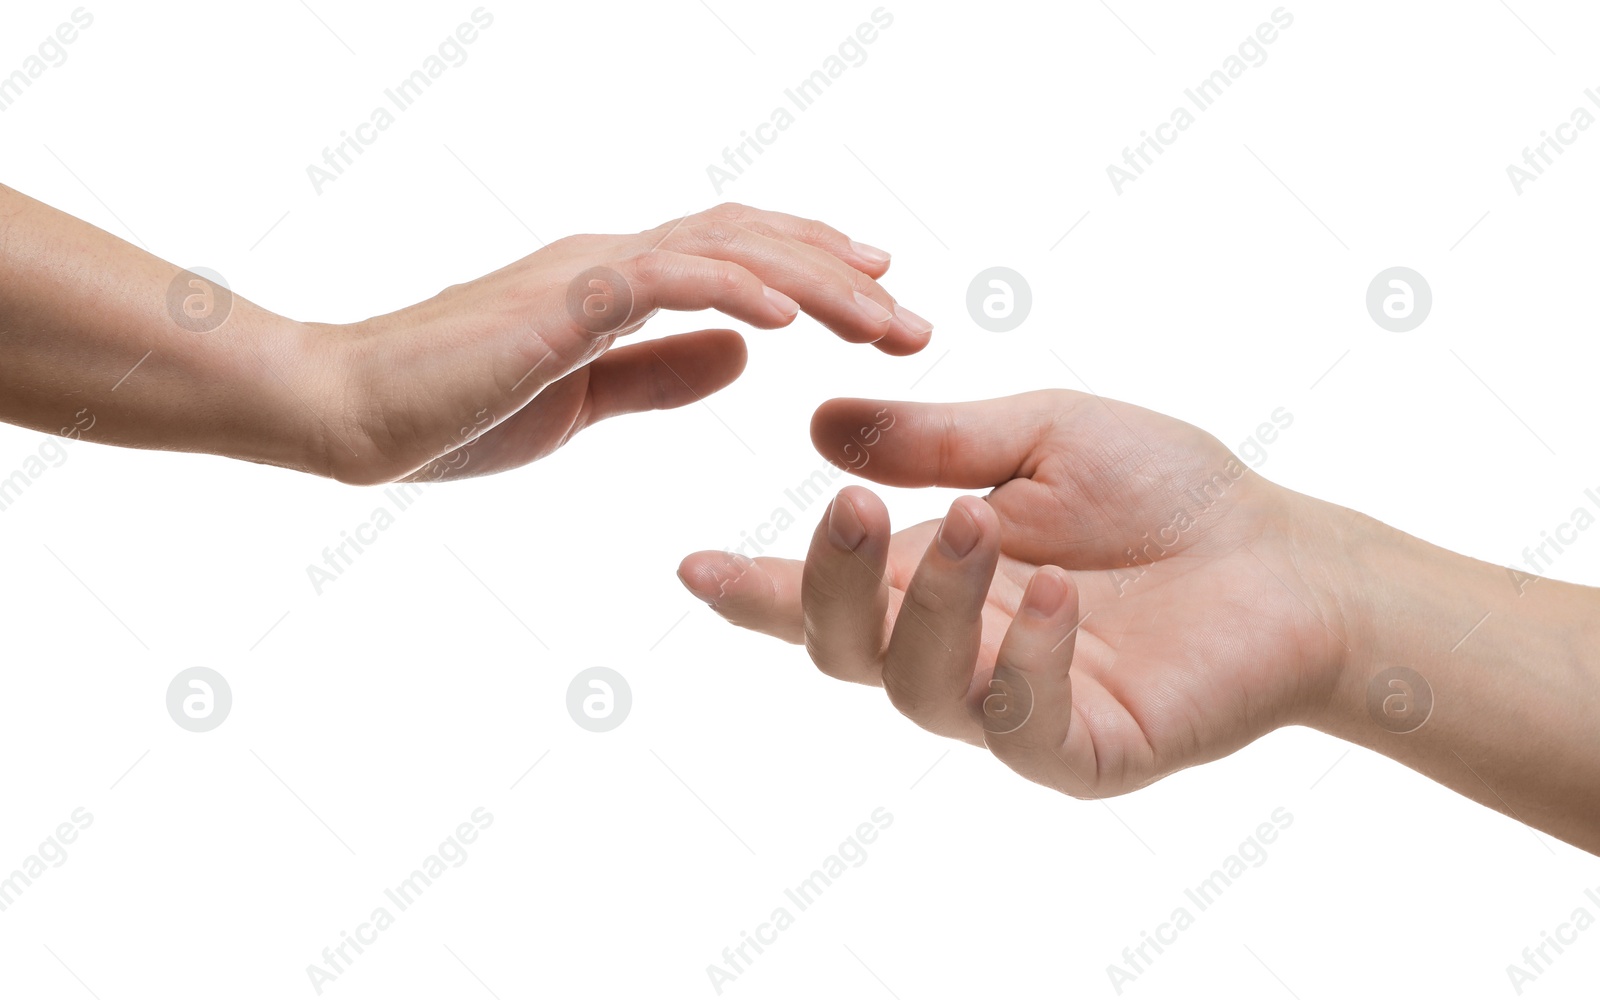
(716, 234)
(871, 289)
(927, 603)
(588, 244)
(1061, 400)
(729, 279)
(765, 229)
(649, 267)
(816, 231)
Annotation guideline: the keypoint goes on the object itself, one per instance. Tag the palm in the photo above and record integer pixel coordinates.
(1181, 628)
(1182, 649)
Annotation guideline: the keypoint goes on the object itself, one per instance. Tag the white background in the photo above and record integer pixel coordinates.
(371, 720)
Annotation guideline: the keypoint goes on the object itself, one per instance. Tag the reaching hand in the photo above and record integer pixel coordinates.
(482, 377)
(505, 369)
(1128, 601)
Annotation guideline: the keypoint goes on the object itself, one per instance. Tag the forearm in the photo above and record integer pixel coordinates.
(1512, 664)
(87, 328)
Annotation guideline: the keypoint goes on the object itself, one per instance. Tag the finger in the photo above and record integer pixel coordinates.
(1026, 713)
(964, 445)
(816, 270)
(666, 279)
(861, 256)
(933, 650)
(843, 593)
(843, 299)
(662, 374)
(761, 594)
(1079, 484)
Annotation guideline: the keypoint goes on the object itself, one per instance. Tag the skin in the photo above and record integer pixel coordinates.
(483, 377)
(1129, 599)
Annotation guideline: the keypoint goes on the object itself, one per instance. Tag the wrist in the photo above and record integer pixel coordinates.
(1388, 589)
(333, 388)
(1320, 542)
(1479, 678)
(1424, 625)
(277, 382)
(375, 383)
(315, 387)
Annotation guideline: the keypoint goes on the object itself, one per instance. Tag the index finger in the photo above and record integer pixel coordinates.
(761, 594)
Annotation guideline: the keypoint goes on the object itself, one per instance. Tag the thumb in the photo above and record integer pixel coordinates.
(962, 445)
(663, 374)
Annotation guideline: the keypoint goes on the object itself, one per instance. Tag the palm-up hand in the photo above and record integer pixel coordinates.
(1129, 600)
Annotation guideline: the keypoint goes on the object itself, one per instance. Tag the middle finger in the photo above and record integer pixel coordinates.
(933, 650)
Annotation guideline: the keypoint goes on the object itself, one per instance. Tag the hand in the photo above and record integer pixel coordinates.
(1130, 600)
(503, 370)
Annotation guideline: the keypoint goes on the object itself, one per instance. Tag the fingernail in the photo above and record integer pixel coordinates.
(874, 313)
(844, 524)
(868, 252)
(1047, 592)
(911, 321)
(958, 533)
(781, 302)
